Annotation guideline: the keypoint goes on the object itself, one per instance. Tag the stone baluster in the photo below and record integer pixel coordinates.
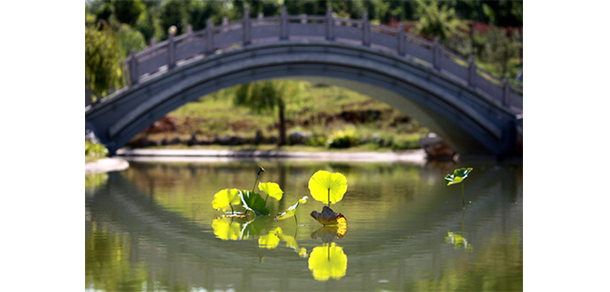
(401, 39)
(209, 36)
(472, 72)
(133, 68)
(330, 35)
(171, 48)
(436, 54)
(366, 30)
(247, 36)
(506, 91)
(284, 24)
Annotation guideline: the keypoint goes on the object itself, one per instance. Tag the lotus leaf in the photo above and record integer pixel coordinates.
(458, 176)
(226, 230)
(271, 189)
(329, 217)
(328, 261)
(325, 186)
(291, 210)
(225, 198)
(253, 202)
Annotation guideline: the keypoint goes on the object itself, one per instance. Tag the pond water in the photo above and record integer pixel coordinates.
(152, 228)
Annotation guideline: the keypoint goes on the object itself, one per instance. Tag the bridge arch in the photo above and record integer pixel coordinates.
(467, 118)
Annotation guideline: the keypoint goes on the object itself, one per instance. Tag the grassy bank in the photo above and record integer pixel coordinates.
(328, 116)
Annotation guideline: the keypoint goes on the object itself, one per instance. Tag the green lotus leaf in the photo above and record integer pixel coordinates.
(457, 176)
(271, 240)
(328, 261)
(291, 210)
(271, 189)
(225, 229)
(254, 228)
(225, 198)
(253, 202)
(324, 185)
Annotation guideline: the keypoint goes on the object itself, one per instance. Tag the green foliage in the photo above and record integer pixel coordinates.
(317, 140)
(498, 48)
(129, 39)
(435, 21)
(95, 150)
(103, 66)
(253, 202)
(343, 139)
(128, 12)
(173, 13)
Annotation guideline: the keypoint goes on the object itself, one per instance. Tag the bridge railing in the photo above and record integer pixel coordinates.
(177, 50)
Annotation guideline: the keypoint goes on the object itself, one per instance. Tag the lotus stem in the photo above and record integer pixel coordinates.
(232, 211)
(328, 198)
(463, 200)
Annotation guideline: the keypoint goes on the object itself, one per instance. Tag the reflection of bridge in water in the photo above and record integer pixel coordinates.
(469, 108)
(197, 259)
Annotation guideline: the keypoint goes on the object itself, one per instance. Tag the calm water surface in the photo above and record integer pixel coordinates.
(152, 228)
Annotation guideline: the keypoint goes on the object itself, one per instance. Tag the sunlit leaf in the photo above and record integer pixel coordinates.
(226, 230)
(271, 189)
(324, 185)
(253, 202)
(291, 210)
(292, 243)
(329, 217)
(225, 198)
(254, 228)
(271, 240)
(328, 261)
(457, 176)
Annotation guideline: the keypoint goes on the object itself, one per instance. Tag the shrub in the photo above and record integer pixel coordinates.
(95, 150)
(317, 140)
(343, 139)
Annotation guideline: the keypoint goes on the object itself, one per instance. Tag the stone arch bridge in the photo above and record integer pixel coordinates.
(474, 112)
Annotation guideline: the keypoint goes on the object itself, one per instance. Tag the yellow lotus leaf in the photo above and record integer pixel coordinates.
(291, 210)
(226, 230)
(271, 189)
(325, 186)
(328, 261)
(225, 198)
(271, 240)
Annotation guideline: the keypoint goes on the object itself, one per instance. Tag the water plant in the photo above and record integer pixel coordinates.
(328, 188)
(458, 176)
(250, 200)
(291, 211)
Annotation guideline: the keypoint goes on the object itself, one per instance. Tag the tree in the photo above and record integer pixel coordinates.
(263, 96)
(435, 21)
(103, 65)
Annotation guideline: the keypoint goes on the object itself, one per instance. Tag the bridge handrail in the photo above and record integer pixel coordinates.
(432, 54)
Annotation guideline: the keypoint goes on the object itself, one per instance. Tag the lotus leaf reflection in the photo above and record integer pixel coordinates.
(328, 261)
